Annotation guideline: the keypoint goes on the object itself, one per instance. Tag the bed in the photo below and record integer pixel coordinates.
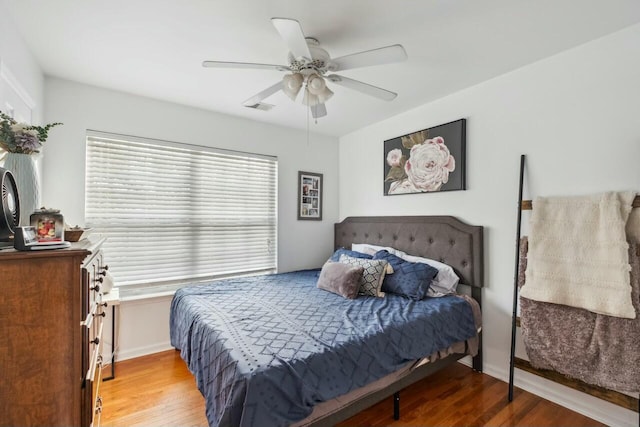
(271, 350)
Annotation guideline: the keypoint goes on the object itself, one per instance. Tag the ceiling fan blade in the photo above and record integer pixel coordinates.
(247, 65)
(291, 31)
(365, 88)
(318, 110)
(382, 55)
(255, 99)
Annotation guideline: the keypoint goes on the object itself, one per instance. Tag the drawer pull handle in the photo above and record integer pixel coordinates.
(95, 288)
(96, 340)
(103, 314)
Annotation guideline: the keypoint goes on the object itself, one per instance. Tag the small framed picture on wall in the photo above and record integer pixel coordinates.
(310, 196)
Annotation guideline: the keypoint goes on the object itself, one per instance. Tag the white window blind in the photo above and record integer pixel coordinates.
(174, 212)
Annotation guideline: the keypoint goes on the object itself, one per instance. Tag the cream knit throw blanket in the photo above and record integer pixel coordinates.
(578, 253)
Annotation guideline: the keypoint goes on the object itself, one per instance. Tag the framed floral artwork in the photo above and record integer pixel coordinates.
(427, 161)
(310, 196)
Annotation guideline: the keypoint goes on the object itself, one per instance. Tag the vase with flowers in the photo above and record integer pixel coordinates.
(22, 142)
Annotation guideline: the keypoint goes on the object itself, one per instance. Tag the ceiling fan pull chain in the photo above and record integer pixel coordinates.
(308, 112)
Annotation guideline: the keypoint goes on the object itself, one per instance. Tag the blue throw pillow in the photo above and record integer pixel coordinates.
(353, 254)
(411, 279)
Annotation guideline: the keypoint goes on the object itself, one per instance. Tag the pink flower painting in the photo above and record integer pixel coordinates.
(429, 165)
(423, 164)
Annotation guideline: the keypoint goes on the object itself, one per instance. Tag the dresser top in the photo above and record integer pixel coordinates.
(81, 249)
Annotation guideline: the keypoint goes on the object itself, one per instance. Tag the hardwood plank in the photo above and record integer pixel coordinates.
(154, 390)
(159, 390)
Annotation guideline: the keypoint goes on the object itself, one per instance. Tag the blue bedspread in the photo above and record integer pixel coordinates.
(265, 349)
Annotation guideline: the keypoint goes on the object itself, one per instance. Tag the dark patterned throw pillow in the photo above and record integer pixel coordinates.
(411, 279)
(354, 254)
(373, 274)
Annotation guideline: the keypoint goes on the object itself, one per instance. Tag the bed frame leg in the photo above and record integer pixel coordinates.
(396, 406)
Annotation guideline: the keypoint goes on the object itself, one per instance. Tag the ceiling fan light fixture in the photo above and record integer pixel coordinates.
(315, 84)
(291, 84)
(310, 99)
(325, 95)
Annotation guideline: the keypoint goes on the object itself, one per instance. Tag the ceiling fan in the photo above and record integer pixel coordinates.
(309, 65)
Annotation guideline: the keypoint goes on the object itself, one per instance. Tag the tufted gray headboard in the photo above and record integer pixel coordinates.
(443, 238)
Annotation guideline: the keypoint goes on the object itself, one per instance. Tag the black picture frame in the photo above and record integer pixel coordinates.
(426, 161)
(310, 191)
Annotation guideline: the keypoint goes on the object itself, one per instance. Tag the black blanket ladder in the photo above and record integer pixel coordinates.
(612, 396)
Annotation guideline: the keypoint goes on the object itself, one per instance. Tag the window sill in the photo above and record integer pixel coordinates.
(149, 291)
(151, 295)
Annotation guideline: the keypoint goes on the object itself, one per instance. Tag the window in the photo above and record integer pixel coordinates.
(174, 213)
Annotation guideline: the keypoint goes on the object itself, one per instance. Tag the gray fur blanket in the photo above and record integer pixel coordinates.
(594, 348)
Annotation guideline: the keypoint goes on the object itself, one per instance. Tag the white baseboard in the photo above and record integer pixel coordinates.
(589, 406)
(143, 351)
(467, 361)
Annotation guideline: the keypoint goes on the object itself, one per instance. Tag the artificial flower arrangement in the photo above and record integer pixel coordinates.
(20, 137)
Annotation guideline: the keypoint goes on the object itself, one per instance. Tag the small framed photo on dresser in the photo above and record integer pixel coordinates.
(310, 196)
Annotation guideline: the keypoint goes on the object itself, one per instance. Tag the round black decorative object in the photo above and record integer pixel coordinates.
(9, 208)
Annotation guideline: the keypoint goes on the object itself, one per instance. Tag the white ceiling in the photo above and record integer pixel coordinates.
(155, 48)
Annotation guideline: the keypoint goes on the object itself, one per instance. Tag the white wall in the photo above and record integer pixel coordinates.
(21, 79)
(301, 244)
(20, 74)
(575, 115)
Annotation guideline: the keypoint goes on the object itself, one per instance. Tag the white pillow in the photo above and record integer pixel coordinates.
(371, 250)
(444, 283)
(366, 248)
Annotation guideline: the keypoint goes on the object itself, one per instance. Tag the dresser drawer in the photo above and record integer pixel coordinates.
(91, 389)
(93, 271)
(93, 312)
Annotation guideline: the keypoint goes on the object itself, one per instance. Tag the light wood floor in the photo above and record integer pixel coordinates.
(159, 390)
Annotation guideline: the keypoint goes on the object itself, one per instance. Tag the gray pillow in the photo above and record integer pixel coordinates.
(341, 279)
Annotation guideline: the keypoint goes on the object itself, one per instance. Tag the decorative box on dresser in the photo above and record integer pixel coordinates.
(51, 313)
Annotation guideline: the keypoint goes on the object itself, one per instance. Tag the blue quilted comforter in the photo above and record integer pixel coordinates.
(265, 349)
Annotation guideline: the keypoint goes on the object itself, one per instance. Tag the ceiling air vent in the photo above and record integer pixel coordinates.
(260, 106)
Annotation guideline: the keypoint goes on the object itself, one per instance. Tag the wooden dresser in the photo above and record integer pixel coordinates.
(51, 313)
